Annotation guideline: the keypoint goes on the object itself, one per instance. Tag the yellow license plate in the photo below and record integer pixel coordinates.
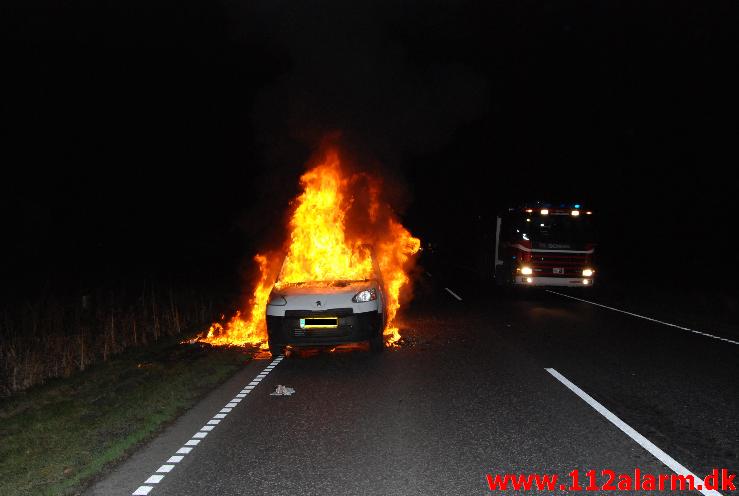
(319, 323)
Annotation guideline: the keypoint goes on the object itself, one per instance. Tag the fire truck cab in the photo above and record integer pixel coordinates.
(545, 244)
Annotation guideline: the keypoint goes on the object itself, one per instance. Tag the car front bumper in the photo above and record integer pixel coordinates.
(352, 327)
(539, 281)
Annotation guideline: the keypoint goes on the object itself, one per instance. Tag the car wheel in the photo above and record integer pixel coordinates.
(276, 349)
(377, 343)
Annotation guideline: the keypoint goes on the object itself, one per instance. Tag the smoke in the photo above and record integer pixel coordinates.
(347, 66)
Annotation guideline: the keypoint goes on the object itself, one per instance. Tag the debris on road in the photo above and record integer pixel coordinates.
(281, 390)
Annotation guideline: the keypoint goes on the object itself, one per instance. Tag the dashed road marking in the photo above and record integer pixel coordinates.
(713, 336)
(454, 294)
(629, 431)
(157, 477)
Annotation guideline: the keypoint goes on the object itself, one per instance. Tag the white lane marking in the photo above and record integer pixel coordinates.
(157, 477)
(454, 294)
(647, 318)
(629, 431)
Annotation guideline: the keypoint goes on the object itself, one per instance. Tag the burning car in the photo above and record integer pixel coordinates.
(327, 312)
(329, 289)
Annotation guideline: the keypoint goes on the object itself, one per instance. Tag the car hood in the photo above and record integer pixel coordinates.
(325, 288)
(324, 297)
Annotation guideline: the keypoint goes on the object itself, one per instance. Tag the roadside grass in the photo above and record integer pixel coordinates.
(56, 438)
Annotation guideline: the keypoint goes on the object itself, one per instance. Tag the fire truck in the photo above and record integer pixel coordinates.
(544, 244)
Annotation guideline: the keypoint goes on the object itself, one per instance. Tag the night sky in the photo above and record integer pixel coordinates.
(164, 139)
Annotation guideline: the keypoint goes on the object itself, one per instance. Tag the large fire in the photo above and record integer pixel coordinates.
(321, 248)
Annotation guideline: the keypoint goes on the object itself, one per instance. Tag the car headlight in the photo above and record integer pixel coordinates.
(588, 272)
(277, 300)
(365, 296)
(527, 271)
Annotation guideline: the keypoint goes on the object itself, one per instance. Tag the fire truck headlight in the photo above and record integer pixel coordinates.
(587, 272)
(526, 271)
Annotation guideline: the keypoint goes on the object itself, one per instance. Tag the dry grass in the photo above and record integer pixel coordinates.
(51, 338)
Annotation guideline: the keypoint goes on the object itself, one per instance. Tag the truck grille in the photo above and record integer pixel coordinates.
(559, 264)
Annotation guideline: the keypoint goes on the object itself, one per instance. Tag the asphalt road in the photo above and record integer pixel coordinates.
(468, 394)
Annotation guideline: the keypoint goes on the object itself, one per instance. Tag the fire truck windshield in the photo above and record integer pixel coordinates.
(558, 231)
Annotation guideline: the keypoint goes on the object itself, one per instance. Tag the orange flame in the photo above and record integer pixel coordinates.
(393, 258)
(320, 249)
(252, 331)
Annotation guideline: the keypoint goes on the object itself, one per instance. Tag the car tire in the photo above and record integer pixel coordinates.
(377, 343)
(276, 349)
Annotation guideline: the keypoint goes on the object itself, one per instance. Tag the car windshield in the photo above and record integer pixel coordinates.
(338, 282)
(558, 231)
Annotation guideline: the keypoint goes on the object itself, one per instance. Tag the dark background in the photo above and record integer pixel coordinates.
(162, 139)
